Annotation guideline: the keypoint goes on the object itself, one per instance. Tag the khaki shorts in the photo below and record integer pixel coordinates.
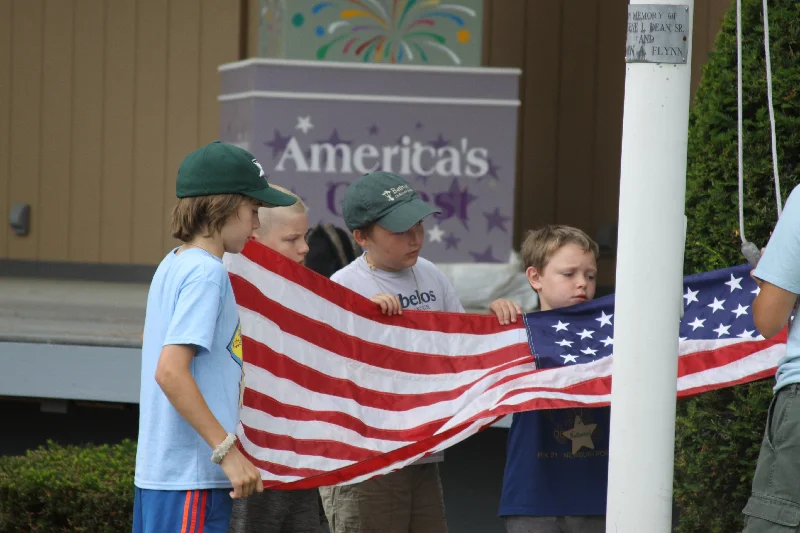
(774, 505)
(406, 501)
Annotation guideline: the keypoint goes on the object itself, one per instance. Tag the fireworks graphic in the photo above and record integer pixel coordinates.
(394, 31)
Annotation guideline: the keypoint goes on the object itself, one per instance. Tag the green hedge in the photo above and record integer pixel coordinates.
(718, 434)
(58, 489)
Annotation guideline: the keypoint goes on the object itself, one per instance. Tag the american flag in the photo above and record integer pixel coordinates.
(335, 392)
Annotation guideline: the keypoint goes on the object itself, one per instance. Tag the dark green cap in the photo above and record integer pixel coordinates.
(385, 199)
(220, 168)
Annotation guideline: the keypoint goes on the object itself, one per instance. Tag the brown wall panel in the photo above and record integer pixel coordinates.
(5, 117)
(55, 190)
(26, 111)
(574, 190)
(537, 165)
(116, 203)
(87, 131)
(183, 96)
(149, 130)
(219, 43)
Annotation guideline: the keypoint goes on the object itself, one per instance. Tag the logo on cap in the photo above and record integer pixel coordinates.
(396, 192)
(260, 168)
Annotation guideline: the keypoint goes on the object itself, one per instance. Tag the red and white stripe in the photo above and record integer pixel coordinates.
(336, 392)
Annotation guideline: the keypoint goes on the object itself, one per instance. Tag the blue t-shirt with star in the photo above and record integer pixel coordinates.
(557, 463)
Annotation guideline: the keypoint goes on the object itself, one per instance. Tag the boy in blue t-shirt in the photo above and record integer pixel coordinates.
(774, 504)
(186, 460)
(556, 473)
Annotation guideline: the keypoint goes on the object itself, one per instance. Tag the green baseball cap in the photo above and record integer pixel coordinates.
(220, 168)
(385, 199)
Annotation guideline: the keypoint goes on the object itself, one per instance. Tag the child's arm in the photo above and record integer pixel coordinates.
(506, 311)
(174, 376)
(771, 308)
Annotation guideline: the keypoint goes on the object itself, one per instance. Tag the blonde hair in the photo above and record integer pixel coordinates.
(266, 215)
(194, 215)
(540, 245)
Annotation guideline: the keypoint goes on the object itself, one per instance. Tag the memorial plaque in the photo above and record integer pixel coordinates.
(657, 33)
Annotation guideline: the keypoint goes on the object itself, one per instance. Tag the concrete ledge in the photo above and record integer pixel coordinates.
(107, 374)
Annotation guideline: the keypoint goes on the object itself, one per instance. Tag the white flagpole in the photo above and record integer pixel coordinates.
(649, 266)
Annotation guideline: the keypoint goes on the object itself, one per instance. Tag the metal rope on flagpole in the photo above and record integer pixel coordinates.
(649, 276)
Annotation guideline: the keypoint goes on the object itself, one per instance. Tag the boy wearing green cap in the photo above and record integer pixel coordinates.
(385, 215)
(186, 460)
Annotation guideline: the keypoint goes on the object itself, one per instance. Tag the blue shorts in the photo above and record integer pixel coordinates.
(182, 511)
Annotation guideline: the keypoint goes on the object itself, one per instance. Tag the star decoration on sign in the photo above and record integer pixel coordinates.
(484, 257)
(496, 220)
(419, 125)
(734, 283)
(570, 359)
(439, 142)
(304, 124)
(690, 296)
(451, 241)
(373, 130)
(580, 435)
(716, 305)
(435, 234)
(278, 143)
(561, 326)
(605, 320)
(334, 139)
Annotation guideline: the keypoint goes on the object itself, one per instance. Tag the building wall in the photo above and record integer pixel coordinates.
(101, 99)
(99, 102)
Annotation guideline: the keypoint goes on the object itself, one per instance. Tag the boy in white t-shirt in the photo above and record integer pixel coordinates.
(385, 215)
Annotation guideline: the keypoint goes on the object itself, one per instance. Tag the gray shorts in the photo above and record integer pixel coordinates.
(555, 524)
(774, 504)
(277, 511)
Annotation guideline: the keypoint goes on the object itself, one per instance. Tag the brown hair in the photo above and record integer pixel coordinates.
(540, 245)
(197, 214)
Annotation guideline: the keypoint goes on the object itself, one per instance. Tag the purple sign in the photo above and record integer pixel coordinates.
(456, 151)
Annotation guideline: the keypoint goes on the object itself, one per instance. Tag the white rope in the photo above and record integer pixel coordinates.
(749, 248)
(771, 110)
(739, 115)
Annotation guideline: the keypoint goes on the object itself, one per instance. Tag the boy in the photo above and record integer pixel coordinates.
(186, 460)
(280, 511)
(772, 506)
(385, 215)
(549, 486)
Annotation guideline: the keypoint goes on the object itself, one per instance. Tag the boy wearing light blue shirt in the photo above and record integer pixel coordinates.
(774, 504)
(186, 461)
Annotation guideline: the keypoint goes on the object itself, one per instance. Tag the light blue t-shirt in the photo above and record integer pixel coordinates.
(190, 302)
(780, 266)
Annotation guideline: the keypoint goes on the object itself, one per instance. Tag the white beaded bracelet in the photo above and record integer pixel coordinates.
(222, 450)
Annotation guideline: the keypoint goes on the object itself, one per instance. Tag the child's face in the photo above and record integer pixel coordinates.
(240, 226)
(392, 251)
(286, 234)
(569, 278)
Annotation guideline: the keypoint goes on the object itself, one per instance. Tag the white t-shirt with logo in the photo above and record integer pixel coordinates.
(422, 287)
